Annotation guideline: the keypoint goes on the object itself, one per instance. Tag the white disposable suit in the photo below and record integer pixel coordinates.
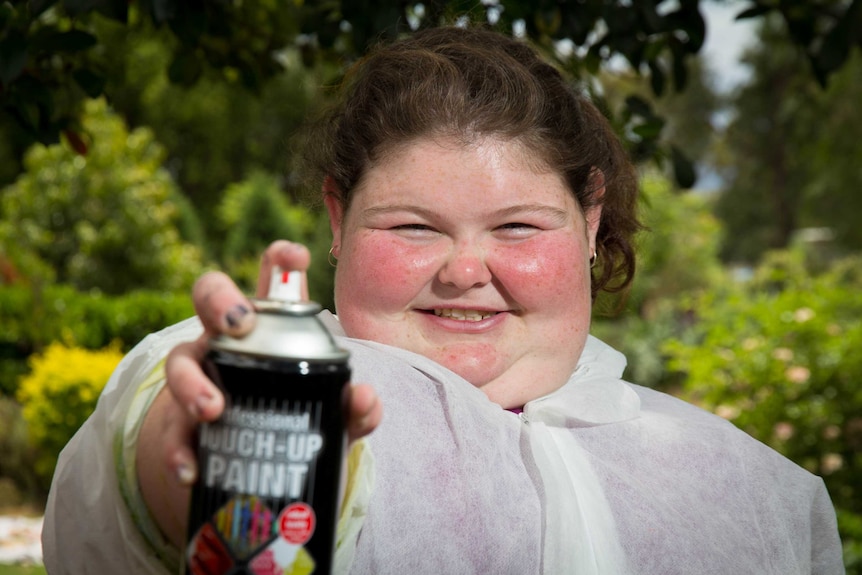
(599, 477)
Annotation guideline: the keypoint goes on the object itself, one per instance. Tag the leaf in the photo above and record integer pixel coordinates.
(92, 83)
(680, 72)
(76, 141)
(656, 78)
(39, 6)
(13, 57)
(7, 15)
(49, 40)
(78, 7)
(652, 22)
(160, 10)
(650, 129)
(683, 169)
(115, 9)
(189, 25)
(593, 60)
(185, 69)
(639, 107)
(755, 12)
(547, 21)
(836, 44)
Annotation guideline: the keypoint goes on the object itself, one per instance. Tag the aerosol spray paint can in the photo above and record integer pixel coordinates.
(266, 499)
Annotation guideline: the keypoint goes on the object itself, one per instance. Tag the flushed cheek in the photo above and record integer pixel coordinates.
(384, 274)
(552, 269)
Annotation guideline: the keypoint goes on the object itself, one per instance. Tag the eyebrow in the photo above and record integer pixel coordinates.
(526, 209)
(391, 208)
(512, 211)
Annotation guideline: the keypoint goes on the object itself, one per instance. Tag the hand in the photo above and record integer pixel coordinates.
(165, 459)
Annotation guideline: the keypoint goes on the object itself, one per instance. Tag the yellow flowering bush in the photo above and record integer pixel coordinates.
(59, 393)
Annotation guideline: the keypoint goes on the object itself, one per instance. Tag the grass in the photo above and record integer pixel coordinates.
(22, 570)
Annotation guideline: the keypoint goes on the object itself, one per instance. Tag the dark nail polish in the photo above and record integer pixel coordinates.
(236, 316)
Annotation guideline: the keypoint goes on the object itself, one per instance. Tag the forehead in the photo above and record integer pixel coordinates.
(462, 181)
(514, 151)
(479, 164)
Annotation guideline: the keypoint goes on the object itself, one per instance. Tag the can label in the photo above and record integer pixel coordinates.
(267, 454)
(267, 494)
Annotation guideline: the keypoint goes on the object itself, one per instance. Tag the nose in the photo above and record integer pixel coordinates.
(465, 267)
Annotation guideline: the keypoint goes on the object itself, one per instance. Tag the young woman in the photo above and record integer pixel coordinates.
(477, 204)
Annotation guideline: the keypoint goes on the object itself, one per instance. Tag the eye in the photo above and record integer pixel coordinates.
(415, 231)
(516, 230)
(411, 227)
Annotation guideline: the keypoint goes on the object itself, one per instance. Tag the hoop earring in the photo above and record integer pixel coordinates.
(332, 258)
(594, 259)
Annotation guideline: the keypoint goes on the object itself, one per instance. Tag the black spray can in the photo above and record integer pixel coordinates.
(269, 470)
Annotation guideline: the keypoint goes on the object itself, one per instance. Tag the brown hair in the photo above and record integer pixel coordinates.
(469, 83)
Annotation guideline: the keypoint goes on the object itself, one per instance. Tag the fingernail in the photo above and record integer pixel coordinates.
(199, 406)
(238, 317)
(186, 473)
(365, 420)
(203, 404)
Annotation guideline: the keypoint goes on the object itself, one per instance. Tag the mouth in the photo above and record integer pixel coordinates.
(464, 314)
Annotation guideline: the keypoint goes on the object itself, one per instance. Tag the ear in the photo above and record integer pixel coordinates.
(593, 215)
(332, 199)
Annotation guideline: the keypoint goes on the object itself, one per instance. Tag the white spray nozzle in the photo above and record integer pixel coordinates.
(285, 286)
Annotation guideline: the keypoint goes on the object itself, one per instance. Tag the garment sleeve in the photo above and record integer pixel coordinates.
(354, 508)
(826, 551)
(89, 527)
(96, 520)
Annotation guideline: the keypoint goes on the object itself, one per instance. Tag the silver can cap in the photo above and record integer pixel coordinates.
(288, 330)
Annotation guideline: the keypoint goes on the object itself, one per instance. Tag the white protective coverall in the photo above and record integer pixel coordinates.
(599, 477)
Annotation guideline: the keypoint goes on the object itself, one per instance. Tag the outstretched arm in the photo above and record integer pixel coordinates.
(166, 464)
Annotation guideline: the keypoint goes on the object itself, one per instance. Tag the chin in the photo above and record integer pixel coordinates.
(479, 376)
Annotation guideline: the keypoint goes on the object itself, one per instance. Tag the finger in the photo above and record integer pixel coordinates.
(185, 465)
(176, 435)
(221, 306)
(286, 255)
(165, 464)
(188, 383)
(365, 411)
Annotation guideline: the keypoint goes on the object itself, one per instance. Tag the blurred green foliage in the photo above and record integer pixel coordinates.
(677, 254)
(19, 485)
(791, 153)
(252, 213)
(779, 355)
(216, 130)
(108, 220)
(32, 319)
(256, 211)
(56, 54)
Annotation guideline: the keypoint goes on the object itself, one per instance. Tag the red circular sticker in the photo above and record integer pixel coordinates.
(296, 523)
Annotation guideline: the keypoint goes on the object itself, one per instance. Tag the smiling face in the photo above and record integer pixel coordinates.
(473, 257)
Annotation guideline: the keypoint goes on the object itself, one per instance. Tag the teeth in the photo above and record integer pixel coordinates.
(463, 314)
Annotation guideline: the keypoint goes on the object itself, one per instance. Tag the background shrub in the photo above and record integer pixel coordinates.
(779, 356)
(33, 319)
(59, 394)
(18, 483)
(108, 220)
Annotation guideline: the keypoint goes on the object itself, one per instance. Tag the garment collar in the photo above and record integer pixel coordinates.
(593, 395)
